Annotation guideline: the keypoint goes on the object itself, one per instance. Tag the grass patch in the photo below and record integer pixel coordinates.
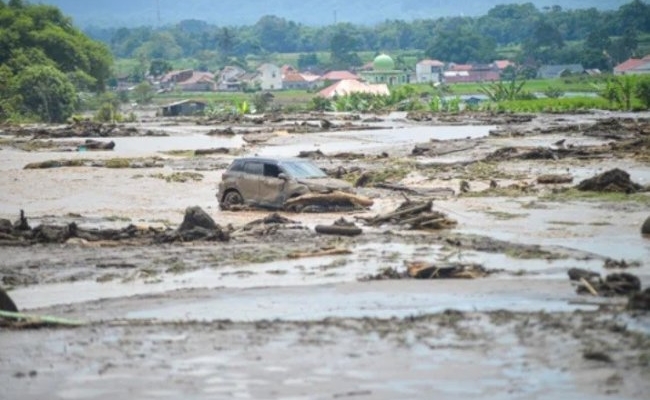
(502, 215)
(181, 177)
(180, 153)
(118, 163)
(487, 171)
(614, 197)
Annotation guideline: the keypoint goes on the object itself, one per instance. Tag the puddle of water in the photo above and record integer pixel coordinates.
(376, 300)
(373, 139)
(133, 146)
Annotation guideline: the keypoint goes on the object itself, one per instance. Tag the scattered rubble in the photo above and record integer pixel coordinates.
(618, 284)
(197, 225)
(416, 215)
(334, 201)
(615, 180)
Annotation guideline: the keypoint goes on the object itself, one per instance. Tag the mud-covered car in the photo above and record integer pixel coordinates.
(270, 182)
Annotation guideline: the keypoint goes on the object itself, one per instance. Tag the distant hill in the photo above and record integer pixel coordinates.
(117, 13)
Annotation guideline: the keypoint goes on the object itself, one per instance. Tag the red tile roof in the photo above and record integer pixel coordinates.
(338, 76)
(432, 63)
(629, 64)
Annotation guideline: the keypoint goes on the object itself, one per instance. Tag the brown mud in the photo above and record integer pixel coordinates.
(458, 270)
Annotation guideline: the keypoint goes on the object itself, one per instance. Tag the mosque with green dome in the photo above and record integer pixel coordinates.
(383, 71)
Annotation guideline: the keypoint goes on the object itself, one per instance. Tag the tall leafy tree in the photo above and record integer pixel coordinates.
(46, 92)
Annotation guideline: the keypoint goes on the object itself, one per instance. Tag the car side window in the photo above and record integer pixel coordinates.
(237, 166)
(254, 168)
(271, 170)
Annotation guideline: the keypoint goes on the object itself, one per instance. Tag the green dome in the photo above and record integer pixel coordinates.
(383, 63)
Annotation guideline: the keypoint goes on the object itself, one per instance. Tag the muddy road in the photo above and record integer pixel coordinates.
(272, 309)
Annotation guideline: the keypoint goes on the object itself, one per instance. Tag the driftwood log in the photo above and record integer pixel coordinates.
(421, 270)
(551, 179)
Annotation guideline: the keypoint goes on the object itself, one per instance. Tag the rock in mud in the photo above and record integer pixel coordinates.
(645, 228)
(196, 225)
(6, 304)
(196, 217)
(640, 301)
(340, 227)
(615, 180)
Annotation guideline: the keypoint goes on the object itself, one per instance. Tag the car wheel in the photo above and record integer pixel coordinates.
(231, 198)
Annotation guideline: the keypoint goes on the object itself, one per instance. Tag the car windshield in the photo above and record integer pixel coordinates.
(302, 169)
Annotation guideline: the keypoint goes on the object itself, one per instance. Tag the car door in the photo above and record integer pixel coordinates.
(271, 187)
(249, 183)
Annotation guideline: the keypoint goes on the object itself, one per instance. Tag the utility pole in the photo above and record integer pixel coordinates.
(335, 17)
(158, 11)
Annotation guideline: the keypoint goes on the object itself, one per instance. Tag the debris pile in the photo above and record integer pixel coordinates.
(267, 225)
(615, 180)
(424, 270)
(333, 201)
(416, 215)
(617, 284)
(196, 226)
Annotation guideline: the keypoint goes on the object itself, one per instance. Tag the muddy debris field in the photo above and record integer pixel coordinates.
(485, 256)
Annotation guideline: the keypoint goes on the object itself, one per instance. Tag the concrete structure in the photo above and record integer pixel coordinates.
(229, 79)
(383, 71)
(335, 76)
(429, 71)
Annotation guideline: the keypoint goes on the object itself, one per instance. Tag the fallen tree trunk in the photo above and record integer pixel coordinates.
(319, 253)
(554, 179)
(420, 270)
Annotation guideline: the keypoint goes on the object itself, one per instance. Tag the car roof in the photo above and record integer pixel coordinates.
(277, 160)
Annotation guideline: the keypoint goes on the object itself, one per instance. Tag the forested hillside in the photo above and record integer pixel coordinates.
(116, 13)
(44, 61)
(597, 39)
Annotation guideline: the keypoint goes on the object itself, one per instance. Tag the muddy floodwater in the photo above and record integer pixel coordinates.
(275, 310)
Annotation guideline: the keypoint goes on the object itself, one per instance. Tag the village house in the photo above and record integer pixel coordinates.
(189, 80)
(429, 71)
(465, 73)
(634, 66)
(229, 79)
(183, 108)
(269, 77)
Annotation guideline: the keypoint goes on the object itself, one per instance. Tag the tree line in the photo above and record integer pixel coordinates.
(595, 38)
